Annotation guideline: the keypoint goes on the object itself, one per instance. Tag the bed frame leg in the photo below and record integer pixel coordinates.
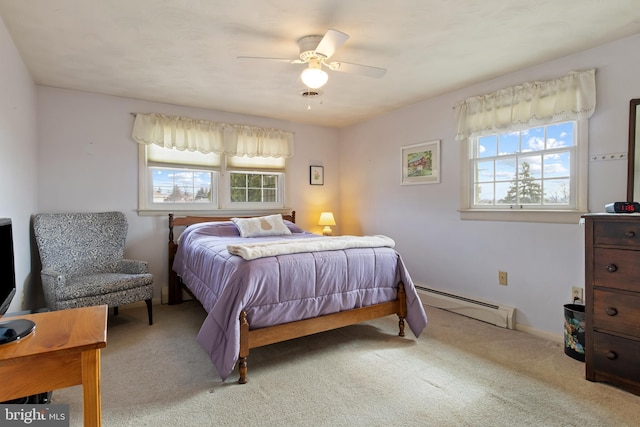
(242, 368)
(402, 312)
(401, 326)
(244, 348)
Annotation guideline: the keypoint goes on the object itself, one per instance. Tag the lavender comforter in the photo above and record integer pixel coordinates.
(283, 288)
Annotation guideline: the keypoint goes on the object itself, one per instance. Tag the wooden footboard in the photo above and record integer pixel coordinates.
(252, 338)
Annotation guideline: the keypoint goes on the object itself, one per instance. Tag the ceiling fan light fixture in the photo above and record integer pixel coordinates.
(314, 77)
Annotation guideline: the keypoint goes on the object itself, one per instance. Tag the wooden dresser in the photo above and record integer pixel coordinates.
(612, 299)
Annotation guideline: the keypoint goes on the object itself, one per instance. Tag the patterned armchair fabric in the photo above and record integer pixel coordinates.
(83, 265)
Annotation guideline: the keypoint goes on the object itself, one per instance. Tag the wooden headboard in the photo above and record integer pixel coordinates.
(175, 290)
(185, 221)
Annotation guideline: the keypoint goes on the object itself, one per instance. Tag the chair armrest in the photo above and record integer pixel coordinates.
(54, 276)
(52, 282)
(133, 266)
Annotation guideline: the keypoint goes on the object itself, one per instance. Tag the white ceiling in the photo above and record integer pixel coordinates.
(185, 52)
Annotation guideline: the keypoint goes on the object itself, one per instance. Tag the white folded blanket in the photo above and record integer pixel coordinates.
(250, 251)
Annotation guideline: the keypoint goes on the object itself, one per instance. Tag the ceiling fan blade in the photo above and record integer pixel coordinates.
(331, 41)
(362, 70)
(292, 61)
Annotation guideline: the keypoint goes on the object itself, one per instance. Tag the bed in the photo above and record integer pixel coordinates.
(290, 285)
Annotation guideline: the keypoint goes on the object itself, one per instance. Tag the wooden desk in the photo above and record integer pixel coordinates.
(63, 351)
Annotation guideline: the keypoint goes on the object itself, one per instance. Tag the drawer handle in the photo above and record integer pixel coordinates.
(611, 311)
(612, 268)
(611, 355)
(630, 234)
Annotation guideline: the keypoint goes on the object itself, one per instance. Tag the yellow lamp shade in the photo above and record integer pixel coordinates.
(326, 219)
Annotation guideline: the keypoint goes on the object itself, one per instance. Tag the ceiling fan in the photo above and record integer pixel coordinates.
(316, 51)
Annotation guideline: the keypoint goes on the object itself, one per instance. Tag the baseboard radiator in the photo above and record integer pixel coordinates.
(499, 315)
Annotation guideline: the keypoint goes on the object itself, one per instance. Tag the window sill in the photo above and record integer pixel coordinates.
(522, 215)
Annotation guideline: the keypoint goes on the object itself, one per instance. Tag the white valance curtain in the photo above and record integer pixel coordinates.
(571, 97)
(206, 136)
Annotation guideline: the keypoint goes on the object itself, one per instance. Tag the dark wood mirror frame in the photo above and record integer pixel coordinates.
(633, 155)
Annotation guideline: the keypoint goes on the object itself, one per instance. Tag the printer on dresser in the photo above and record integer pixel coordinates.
(612, 310)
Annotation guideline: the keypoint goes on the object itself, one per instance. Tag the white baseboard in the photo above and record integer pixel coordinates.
(495, 314)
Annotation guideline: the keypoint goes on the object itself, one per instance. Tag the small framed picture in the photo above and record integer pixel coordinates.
(421, 163)
(316, 175)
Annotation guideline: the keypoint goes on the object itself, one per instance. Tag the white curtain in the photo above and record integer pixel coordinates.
(571, 97)
(251, 141)
(205, 136)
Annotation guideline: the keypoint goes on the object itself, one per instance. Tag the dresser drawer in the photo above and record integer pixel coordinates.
(616, 312)
(616, 356)
(616, 268)
(626, 233)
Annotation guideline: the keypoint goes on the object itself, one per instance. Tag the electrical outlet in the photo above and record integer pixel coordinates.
(577, 295)
(502, 278)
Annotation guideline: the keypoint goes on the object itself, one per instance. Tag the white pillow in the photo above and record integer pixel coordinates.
(271, 225)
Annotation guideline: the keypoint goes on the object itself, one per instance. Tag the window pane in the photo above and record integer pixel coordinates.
(557, 165)
(560, 135)
(254, 195)
(484, 171)
(557, 191)
(238, 195)
(255, 181)
(502, 190)
(506, 169)
(181, 186)
(270, 196)
(529, 167)
(484, 194)
(269, 181)
(238, 180)
(530, 192)
(533, 140)
(487, 146)
(509, 143)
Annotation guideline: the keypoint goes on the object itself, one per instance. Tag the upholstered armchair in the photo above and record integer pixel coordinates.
(83, 264)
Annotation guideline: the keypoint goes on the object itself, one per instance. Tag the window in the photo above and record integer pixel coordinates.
(174, 180)
(533, 168)
(524, 154)
(253, 187)
(187, 164)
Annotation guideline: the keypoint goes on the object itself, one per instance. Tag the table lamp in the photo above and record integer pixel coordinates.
(326, 219)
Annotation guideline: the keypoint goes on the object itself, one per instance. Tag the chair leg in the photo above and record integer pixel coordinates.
(115, 311)
(149, 310)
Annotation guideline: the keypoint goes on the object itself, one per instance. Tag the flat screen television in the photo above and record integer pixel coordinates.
(7, 269)
(10, 330)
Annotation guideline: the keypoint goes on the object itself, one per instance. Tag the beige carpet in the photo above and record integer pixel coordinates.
(461, 372)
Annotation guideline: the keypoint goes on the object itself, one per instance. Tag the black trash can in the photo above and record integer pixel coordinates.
(574, 331)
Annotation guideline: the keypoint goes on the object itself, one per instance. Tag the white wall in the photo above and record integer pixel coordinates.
(543, 261)
(79, 156)
(88, 162)
(18, 160)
